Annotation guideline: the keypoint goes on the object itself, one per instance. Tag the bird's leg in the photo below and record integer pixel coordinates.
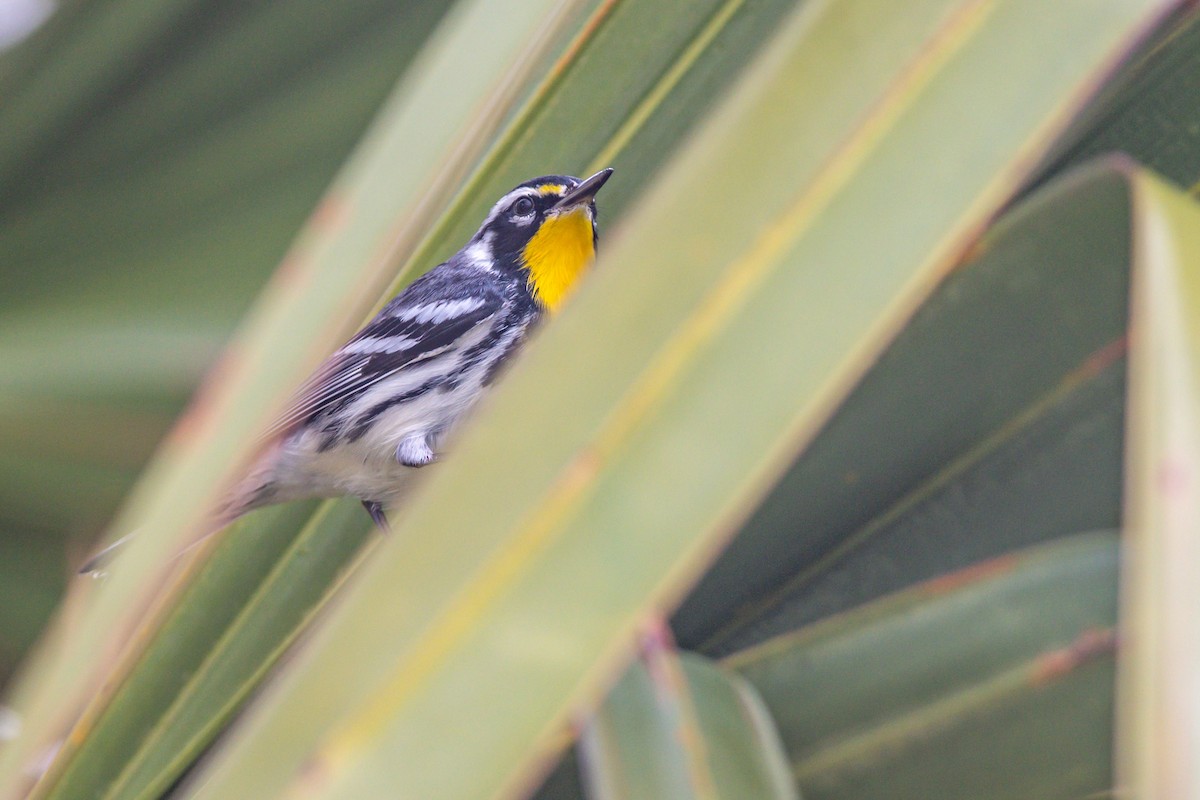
(414, 451)
(377, 514)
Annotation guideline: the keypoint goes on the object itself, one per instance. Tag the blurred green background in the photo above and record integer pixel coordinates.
(156, 162)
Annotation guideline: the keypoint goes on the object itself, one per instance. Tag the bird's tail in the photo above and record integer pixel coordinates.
(95, 565)
(248, 494)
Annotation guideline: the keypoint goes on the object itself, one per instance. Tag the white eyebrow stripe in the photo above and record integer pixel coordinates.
(502, 203)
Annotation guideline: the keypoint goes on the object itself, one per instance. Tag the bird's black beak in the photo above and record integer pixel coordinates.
(584, 192)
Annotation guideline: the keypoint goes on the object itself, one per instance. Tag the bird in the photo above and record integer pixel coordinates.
(380, 407)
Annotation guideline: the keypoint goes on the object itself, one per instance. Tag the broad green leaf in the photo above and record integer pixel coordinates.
(621, 469)
(992, 683)
(677, 726)
(1159, 730)
(992, 422)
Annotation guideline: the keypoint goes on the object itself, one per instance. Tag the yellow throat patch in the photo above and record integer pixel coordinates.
(558, 254)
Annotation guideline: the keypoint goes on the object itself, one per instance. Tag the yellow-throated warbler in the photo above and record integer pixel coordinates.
(382, 404)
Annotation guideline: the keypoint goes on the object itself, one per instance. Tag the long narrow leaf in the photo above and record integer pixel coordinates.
(678, 727)
(992, 683)
(1159, 729)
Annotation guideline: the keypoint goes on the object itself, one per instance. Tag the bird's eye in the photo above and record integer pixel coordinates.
(523, 207)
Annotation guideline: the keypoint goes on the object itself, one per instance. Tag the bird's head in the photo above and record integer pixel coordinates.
(544, 229)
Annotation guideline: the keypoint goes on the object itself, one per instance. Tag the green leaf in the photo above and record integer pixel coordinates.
(677, 726)
(242, 633)
(565, 782)
(993, 683)
(1159, 731)
(992, 422)
(700, 301)
(1150, 110)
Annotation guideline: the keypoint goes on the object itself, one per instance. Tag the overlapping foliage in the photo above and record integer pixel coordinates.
(799, 359)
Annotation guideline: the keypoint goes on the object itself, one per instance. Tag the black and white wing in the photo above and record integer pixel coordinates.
(427, 321)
